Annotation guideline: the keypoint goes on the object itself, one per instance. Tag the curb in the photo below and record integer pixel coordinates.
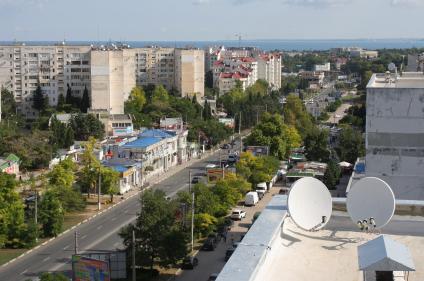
(171, 173)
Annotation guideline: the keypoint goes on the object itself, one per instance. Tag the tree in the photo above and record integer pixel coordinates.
(85, 102)
(8, 104)
(204, 223)
(351, 144)
(69, 98)
(159, 239)
(110, 181)
(209, 79)
(136, 101)
(69, 138)
(60, 102)
(160, 94)
(85, 126)
(11, 213)
(39, 101)
(332, 174)
(51, 214)
(295, 114)
(89, 173)
(207, 113)
(316, 145)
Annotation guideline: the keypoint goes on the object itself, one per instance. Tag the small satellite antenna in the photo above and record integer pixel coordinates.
(371, 203)
(392, 67)
(309, 203)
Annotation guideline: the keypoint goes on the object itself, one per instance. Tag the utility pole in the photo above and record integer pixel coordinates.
(192, 221)
(133, 256)
(100, 187)
(76, 242)
(241, 140)
(36, 213)
(189, 180)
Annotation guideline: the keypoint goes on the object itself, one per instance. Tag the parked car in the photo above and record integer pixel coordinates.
(261, 193)
(225, 146)
(251, 198)
(262, 186)
(195, 180)
(215, 237)
(228, 253)
(232, 158)
(213, 277)
(189, 262)
(238, 214)
(209, 244)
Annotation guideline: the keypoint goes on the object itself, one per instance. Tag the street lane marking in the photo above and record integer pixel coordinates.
(112, 219)
(83, 237)
(99, 227)
(23, 272)
(65, 248)
(46, 259)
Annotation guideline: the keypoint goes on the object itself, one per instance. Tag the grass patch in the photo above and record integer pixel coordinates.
(9, 254)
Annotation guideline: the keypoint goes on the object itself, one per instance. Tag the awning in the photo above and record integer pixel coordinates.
(384, 254)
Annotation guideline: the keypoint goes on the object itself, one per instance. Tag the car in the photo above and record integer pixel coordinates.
(213, 277)
(189, 262)
(228, 253)
(209, 244)
(225, 146)
(211, 166)
(215, 237)
(195, 180)
(232, 158)
(238, 214)
(261, 193)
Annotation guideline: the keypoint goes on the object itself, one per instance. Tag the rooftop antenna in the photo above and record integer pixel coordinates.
(371, 203)
(309, 203)
(239, 37)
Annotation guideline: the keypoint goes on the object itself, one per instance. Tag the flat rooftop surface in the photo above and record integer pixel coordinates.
(331, 254)
(408, 80)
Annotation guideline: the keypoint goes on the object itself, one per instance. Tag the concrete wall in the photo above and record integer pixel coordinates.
(395, 139)
(190, 72)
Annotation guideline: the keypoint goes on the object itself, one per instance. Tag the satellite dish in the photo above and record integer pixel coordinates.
(392, 67)
(309, 203)
(371, 199)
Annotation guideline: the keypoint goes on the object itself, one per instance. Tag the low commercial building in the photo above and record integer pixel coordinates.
(176, 126)
(322, 67)
(362, 53)
(129, 173)
(306, 169)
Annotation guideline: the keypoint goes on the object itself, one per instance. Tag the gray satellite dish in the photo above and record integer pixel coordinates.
(309, 203)
(371, 199)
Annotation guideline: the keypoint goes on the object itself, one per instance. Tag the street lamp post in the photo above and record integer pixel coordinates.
(192, 221)
(98, 194)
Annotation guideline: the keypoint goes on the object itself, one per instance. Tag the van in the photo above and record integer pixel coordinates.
(251, 198)
(262, 186)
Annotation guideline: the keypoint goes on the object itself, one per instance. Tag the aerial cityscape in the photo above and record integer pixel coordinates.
(202, 140)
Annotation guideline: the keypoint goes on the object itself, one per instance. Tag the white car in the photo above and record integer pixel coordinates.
(238, 214)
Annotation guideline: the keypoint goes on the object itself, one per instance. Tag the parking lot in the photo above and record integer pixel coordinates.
(213, 261)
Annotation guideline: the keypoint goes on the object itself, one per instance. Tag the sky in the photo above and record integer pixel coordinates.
(179, 20)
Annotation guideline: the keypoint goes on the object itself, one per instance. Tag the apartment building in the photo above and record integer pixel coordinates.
(23, 67)
(112, 78)
(190, 72)
(269, 69)
(155, 66)
(395, 132)
(108, 72)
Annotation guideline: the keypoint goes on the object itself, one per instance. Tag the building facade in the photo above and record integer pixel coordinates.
(190, 73)
(395, 132)
(54, 68)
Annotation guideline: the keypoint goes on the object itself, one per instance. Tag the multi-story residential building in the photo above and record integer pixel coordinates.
(395, 132)
(322, 67)
(112, 78)
(228, 81)
(54, 68)
(155, 66)
(269, 69)
(176, 126)
(211, 56)
(108, 72)
(190, 72)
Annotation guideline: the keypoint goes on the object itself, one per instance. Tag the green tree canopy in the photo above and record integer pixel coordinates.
(87, 125)
(51, 214)
(316, 145)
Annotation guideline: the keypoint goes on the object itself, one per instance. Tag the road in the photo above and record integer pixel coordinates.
(336, 116)
(99, 234)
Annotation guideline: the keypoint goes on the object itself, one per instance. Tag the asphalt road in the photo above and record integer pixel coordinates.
(99, 234)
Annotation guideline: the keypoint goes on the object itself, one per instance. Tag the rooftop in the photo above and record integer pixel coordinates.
(405, 80)
(142, 142)
(269, 252)
(155, 133)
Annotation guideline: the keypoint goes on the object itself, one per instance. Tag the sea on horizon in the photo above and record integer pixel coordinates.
(266, 45)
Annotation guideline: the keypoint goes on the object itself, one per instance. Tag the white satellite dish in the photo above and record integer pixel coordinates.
(371, 198)
(309, 203)
(392, 66)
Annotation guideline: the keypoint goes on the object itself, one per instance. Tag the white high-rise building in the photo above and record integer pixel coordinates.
(23, 67)
(269, 69)
(395, 132)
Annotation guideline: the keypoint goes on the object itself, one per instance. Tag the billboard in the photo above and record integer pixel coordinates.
(258, 150)
(88, 269)
(117, 262)
(214, 174)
